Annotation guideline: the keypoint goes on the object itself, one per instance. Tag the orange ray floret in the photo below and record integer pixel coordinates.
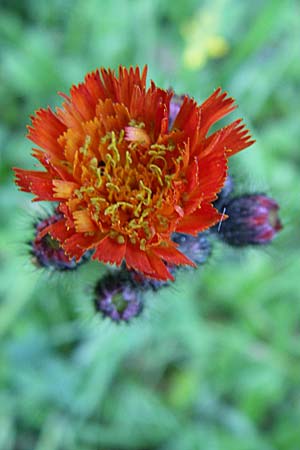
(126, 177)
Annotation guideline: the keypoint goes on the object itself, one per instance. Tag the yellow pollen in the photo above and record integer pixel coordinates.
(121, 136)
(162, 220)
(158, 147)
(84, 149)
(144, 214)
(157, 171)
(168, 180)
(143, 244)
(112, 209)
(105, 138)
(113, 146)
(128, 160)
(134, 123)
(133, 145)
(137, 210)
(78, 194)
(161, 158)
(112, 186)
(87, 189)
(109, 177)
(93, 163)
(156, 153)
(99, 178)
(159, 202)
(120, 239)
(149, 193)
(147, 230)
(162, 148)
(136, 225)
(96, 200)
(110, 160)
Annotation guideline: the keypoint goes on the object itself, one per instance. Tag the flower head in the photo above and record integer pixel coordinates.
(253, 220)
(124, 178)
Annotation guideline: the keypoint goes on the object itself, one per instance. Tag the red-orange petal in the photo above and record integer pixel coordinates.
(230, 139)
(45, 130)
(160, 270)
(136, 259)
(83, 222)
(38, 183)
(79, 243)
(63, 189)
(55, 167)
(57, 230)
(110, 251)
(215, 108)
(186, 113)
(201, 219)
(213, 170)
(171, 255)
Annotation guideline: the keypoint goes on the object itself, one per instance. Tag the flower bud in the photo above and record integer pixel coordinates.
(117, 297)
(175, 105)
(47, 251)
(253, 220)
(196, 248)
(225, 194)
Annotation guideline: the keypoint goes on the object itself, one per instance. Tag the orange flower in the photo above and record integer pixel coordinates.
(125, 180)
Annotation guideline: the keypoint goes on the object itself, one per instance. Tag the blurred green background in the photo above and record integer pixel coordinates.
(214, 362)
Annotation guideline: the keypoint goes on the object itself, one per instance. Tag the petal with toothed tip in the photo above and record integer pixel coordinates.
(110, 251)
(201, 219)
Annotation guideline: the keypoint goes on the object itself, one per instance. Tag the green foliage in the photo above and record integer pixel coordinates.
(214, 362)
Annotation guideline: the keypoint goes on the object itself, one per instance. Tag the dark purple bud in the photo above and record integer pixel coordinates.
(224, 195)
(145, 283)
(117, 297)
(47, 251)
(175, 105)
(253, 220)
(198, 248)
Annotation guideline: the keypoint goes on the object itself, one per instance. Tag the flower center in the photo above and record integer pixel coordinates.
(126, 183)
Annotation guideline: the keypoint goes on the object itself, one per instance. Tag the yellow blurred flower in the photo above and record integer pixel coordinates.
(203, 40)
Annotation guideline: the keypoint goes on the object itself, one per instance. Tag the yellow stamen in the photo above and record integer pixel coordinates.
(113, 146)
(110, 160)
(93, 163)
(84, 149)
(121, 136)
(143, 244)
(120, 239)
(157, 171)
(112, 186)
(144, 214)
(149, 194)
(128, 160)
(134, 123)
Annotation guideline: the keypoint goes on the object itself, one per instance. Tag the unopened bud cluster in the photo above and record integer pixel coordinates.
(249, 219)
